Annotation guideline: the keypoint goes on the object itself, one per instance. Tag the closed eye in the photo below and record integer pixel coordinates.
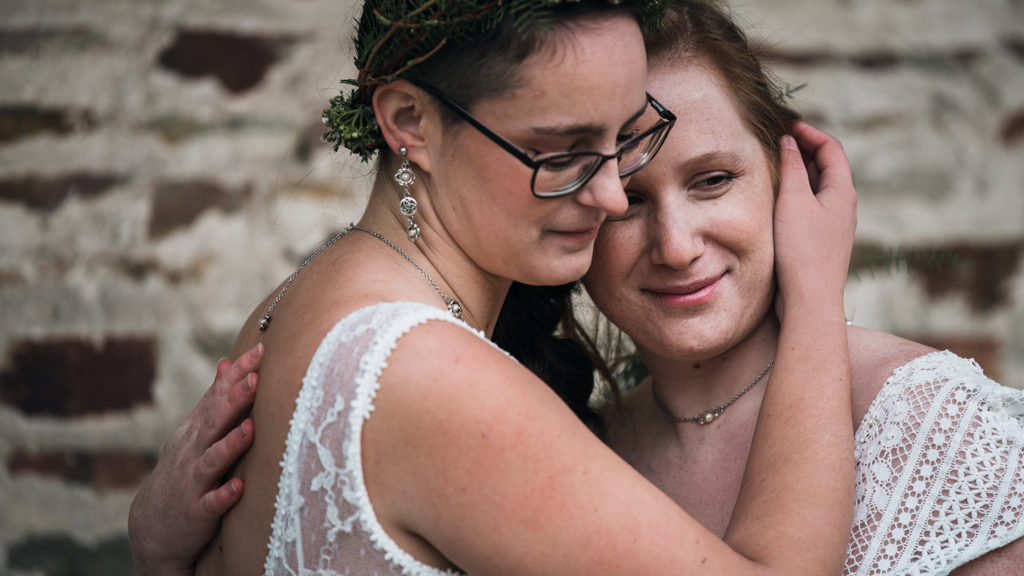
(714, 182)
(623, 138)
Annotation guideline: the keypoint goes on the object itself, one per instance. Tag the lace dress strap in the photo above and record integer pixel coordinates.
(940, 470)
(324, 522)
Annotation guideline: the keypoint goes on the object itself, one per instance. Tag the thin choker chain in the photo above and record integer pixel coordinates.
(453, 305)
(709, 416)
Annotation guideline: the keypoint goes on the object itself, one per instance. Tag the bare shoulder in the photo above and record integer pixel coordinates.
(874, 355)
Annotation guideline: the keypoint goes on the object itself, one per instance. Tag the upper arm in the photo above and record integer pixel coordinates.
(468, 450)
(1006, 560)
(938, 470)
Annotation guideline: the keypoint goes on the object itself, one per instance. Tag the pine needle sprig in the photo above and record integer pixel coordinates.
(873, 259)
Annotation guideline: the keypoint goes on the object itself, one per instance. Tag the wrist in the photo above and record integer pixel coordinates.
(814, 300)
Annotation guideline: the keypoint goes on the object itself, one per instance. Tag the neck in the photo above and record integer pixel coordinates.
(689, 386)
(479, 293)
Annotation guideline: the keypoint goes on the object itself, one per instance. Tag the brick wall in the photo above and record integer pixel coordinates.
(160, 171)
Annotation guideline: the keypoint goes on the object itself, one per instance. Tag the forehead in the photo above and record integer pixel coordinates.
(693, 91)
(706, 109)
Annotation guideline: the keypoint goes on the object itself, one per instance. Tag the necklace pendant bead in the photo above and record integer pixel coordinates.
(264, 323)
(413, 232)
(455, 308)
(707, 417)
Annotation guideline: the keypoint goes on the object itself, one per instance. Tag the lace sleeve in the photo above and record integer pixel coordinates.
(940, 476)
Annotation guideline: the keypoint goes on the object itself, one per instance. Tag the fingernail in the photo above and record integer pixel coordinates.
(789, 142)
(249, 383)
(257, 350)
(233, 487)
(241, 430)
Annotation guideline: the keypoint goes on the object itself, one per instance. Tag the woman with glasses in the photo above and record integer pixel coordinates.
(394, 437)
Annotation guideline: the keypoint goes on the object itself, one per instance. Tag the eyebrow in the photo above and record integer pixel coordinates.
(584, 129)
(711, 157)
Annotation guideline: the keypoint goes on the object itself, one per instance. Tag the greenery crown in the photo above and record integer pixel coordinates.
(394, 36)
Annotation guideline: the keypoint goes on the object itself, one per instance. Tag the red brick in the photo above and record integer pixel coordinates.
(119, 470)
(1012, 130)
(56, 465)
(47, 193)
(238, 61)
(77, 377)
(105, 470)
(177, 204)
(18, 122)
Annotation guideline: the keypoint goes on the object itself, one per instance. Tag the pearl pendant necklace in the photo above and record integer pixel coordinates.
(710, 415)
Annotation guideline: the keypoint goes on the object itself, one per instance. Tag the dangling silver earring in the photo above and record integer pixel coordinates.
(405, 177)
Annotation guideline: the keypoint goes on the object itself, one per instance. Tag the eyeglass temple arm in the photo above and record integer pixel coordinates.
(465, 115)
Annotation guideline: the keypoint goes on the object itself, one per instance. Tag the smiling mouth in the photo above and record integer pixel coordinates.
(691, 294)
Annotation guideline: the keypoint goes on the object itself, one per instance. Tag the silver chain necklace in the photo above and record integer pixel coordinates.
(709, 416)
(453, 305)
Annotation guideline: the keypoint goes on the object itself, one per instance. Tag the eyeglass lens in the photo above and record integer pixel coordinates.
(564, 174)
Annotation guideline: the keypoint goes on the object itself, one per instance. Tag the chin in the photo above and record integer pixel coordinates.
(690, 341)
(554, 276)
(560, 269)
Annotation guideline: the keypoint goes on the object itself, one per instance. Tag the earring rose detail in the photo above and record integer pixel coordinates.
(404, 177)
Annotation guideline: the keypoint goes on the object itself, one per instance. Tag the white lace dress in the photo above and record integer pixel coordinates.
(940, 470)
(940, 474)
(324, 523)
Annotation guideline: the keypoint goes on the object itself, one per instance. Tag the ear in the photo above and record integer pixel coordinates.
(399, 107)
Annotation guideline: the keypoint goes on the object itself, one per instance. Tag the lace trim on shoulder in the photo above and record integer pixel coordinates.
(367, 385)
(940, 469)
(386, 323)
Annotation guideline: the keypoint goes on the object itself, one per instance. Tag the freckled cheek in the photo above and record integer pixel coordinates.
(616, 250)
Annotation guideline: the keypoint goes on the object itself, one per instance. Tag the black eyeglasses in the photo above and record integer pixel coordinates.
(561, 174)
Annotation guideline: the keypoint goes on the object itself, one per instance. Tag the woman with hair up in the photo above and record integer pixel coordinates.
(394, 438)
(688, 273)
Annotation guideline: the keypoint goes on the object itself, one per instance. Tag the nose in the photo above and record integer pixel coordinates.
(677, 241)
(605, 190)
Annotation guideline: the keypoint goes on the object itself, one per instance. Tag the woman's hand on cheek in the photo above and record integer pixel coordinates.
(814, 226)
(179, 506)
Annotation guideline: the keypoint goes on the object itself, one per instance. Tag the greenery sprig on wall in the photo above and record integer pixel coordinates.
(873, 259)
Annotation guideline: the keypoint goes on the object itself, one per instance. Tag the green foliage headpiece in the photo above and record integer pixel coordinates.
(394, 36)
